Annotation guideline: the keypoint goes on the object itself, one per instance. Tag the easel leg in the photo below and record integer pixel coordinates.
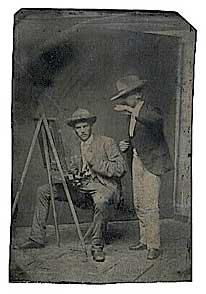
(36, 132)
(50, 185)
(64, 184)
(88, 232)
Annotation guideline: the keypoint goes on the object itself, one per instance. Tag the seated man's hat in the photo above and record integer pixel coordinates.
(81, 115)
(126, 85)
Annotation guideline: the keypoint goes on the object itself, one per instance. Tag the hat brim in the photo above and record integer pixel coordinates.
(124, 93)
(71, 122)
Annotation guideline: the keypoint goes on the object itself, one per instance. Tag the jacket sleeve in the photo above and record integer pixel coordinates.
(150, 115)
(73, 167)
(74, 159)
(113, 166)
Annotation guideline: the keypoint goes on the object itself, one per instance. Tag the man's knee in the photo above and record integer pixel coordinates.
(101, 203)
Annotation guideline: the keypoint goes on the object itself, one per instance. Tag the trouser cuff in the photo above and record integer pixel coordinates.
(97, 244)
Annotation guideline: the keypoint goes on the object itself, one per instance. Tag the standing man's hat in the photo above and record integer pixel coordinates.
(128, 84)
(81, 115)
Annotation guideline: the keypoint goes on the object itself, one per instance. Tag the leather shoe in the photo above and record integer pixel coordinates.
(98, 255)
(138, 246)
(153, 253)
(30, 244)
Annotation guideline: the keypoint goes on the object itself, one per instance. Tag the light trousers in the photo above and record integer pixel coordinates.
(100, 200)
(146, 189)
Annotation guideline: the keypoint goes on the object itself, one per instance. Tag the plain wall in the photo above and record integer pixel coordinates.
(66, 70)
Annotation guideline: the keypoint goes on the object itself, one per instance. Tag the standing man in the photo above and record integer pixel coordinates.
(97, 165)
(150, 160)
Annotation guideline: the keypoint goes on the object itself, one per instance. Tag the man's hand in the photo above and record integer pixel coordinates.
(123, 108)
(74, 170)
(124, 145)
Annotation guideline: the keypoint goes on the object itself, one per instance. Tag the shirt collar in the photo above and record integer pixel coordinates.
(89, 141)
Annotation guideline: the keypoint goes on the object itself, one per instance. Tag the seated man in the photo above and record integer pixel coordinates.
(99, 165)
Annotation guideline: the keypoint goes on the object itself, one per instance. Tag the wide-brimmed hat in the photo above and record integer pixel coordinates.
(81, 115)
(127, 85)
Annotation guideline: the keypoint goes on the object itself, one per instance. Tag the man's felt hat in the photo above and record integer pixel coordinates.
(81, 115)
(126, 85)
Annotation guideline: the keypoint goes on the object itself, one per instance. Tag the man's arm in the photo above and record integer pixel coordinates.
(114, 166)
(73, 167)
(149, 114)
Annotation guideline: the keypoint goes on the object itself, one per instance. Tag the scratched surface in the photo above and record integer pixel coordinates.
(65, 59)
(68, 263)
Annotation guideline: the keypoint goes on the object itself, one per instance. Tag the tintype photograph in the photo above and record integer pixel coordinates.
(101, 146)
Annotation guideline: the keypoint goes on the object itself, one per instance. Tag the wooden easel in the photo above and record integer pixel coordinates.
(48, 141)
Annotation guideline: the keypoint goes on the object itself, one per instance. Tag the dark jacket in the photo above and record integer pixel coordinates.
(149, 141)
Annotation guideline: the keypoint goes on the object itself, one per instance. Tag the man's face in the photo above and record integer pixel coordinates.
(83, 130)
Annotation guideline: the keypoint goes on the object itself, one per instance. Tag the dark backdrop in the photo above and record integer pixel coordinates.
(64, 68)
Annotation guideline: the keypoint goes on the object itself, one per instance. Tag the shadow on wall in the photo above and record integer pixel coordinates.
(82, 72)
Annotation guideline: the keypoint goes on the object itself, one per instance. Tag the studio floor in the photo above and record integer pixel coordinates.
(68, 263)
